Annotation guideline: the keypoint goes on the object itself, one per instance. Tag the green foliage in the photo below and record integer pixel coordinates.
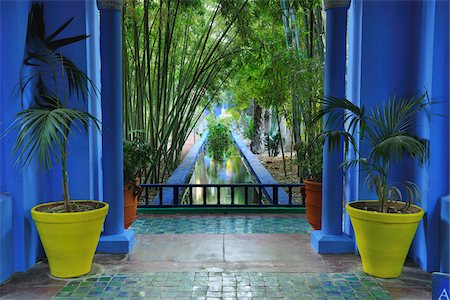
(248, 126)
(136, 160)
(272, 141)
(219, 138)
(44, 127)
(387, 130)
(177, 55)
(310, 160)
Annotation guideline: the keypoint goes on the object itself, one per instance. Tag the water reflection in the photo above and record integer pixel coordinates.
(231, 169)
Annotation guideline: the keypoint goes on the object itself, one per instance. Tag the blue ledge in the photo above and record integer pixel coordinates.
(117, 243)
(260, 172)
(181, 174)
(444, 239)
(6, 238)
(331, 244)
(440, 286)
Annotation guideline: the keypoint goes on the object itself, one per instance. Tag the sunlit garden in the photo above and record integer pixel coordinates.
(224, 149)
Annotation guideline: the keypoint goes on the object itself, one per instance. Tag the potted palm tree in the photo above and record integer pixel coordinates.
(384, 228)
(69, 230)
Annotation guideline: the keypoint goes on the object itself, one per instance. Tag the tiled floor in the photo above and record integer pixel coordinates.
(221, 225)
(223, 285)
(221, 257)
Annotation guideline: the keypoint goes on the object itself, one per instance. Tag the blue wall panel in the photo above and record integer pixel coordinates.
(32, 186)
(401, 48)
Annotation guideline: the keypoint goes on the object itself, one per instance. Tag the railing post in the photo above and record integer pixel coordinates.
(218, 195)
(246, 195)
(175, 196)
(275, 194)
(232, 195)
(290, 195)
(204, 195)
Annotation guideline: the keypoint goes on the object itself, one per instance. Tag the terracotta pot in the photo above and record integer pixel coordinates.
(130, 202)
(313, 203)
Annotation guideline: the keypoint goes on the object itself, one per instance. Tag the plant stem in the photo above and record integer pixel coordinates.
(65, 181)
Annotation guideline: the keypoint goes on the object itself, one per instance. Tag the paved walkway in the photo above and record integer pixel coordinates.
(226, 257)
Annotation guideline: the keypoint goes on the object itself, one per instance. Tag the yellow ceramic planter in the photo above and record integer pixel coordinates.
(383, 239)
(70, 239)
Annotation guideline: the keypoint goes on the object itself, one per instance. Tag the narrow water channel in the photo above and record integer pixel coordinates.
(231, 169)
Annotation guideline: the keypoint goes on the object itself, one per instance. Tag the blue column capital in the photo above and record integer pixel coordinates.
(110, 4)
(329, 4)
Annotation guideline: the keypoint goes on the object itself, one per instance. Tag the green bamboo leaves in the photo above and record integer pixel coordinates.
(177, 55)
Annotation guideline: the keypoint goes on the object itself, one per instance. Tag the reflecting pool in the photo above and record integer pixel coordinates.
(230, 169)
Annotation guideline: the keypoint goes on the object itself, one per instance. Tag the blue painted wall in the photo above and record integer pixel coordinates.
(28, 188)
(21, 188)
(400, 48)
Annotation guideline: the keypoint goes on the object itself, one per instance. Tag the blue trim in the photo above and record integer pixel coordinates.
(331, 244)
(6, 238)
(444, 234)
(111, 77)
(262, 175)
(117, 243)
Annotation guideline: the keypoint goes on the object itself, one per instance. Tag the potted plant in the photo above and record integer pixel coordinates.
(136, 159)
(311, 170)
(384, 228)
(69, 230)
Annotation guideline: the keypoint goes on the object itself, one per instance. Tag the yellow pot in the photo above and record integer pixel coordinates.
(70, 239)
(383, 239)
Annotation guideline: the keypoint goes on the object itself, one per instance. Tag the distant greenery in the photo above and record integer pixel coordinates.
(177, 55)
(181, 56)
(272, 141)
(219, 138)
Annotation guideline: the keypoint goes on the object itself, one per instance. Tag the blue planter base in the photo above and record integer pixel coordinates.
(331, 244)
(116, 243)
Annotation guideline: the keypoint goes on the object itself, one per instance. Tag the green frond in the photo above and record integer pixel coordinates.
(42, 133)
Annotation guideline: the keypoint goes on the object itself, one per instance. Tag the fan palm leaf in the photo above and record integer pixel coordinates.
(42, 132)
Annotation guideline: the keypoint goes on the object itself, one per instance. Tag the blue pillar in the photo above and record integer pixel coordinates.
(331, 238)
(114, 238)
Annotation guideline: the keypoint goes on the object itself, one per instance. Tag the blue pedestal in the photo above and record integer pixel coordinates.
(440, 286)
(117, 243)
(331, 244)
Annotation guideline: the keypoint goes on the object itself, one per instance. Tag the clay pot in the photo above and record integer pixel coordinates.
(313, 203)
(130, 201)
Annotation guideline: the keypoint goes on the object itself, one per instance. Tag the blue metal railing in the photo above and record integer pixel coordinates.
(183, 195)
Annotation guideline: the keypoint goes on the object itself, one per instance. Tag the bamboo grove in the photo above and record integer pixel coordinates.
(180, 56)
(176, 56)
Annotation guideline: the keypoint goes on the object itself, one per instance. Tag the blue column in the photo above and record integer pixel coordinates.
(114, 239)
(331, 239)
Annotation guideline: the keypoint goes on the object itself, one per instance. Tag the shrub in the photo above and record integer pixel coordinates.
(219, 139)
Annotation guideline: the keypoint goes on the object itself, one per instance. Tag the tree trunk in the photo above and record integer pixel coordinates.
(257, 140)
(267, 120)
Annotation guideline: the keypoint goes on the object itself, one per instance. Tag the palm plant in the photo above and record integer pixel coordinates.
(387, 129)
(44, 127)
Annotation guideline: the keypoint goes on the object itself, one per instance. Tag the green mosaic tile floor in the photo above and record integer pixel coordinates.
(220, 225)
(225, 285)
